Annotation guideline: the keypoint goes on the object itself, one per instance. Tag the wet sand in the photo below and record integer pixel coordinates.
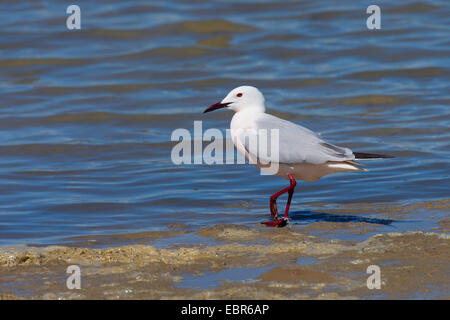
(228, 261)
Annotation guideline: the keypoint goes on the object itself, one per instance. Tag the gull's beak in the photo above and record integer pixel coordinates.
(216, 106)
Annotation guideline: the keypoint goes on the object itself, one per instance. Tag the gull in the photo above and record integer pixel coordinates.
(302, 153)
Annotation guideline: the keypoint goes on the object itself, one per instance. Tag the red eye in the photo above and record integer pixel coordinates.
(239, 95)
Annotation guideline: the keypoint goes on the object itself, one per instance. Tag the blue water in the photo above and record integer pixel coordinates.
(86, 115)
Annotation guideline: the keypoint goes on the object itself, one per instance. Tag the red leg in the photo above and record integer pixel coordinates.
(273, 205)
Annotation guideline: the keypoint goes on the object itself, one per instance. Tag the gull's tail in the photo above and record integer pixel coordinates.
(352, 165)
(363, 156)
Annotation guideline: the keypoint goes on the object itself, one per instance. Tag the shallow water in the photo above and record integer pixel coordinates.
(213, 280)
(86, 116)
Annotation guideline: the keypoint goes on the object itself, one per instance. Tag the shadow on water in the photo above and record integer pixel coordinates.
(311, 216)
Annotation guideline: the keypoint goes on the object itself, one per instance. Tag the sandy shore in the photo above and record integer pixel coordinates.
(239, 262)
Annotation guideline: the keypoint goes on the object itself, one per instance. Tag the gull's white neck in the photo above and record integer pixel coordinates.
(244, 118)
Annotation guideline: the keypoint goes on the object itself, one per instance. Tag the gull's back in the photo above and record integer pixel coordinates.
(297, 144)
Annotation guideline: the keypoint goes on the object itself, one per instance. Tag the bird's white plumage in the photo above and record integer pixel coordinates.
(297, 144)
(301, 152)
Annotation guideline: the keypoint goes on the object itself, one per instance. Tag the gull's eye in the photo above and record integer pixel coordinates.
(239, 95)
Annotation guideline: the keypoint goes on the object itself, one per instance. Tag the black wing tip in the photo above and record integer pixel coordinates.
(363, 155)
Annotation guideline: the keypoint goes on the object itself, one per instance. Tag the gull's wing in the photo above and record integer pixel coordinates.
(297, 144)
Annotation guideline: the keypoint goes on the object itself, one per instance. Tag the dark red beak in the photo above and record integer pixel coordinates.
(216, 106)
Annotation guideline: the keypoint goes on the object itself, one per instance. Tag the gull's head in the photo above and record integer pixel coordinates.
(241, 98)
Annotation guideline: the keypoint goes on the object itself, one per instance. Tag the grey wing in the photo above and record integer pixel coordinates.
(296, 144)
